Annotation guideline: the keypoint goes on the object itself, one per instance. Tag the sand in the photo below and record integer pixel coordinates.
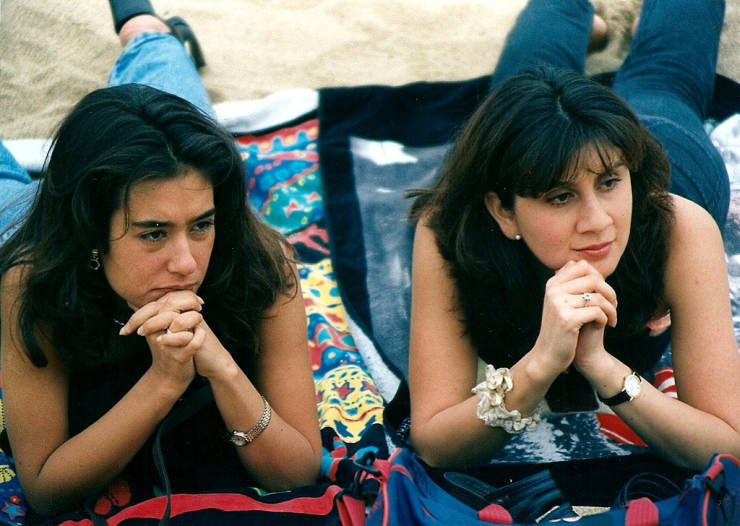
(52, 52)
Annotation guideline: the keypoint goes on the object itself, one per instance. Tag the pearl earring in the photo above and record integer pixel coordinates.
(517, 237)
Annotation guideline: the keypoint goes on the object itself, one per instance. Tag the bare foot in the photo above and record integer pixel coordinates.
(599, 32)
(139, 24)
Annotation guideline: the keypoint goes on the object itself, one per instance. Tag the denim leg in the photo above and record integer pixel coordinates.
(547, 32)
(698, 172)
(161, 61)
(674, 52)
(17, 190)
(668, 79)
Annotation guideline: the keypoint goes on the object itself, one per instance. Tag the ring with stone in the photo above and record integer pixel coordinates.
(586, 297)
(168, 331)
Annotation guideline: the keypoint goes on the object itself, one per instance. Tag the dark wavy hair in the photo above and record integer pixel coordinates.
(525, 138)
(113, 139)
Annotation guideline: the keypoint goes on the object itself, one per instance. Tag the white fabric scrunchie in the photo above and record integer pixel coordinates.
(491, 408)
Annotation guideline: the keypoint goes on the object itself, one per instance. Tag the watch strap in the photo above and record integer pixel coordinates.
(622, 396)
(243, 438)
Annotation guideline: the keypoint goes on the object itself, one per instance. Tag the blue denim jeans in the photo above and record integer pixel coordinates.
(159, 60)
(667, 78)
(17, 190)
(156, 59)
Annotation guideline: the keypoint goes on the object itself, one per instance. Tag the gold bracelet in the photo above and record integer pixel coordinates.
(242, 438)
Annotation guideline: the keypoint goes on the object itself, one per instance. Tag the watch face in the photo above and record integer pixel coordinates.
(632, 385)
(238, 440)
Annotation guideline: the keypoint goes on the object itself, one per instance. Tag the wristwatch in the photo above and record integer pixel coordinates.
(243, 438)
(630, 390)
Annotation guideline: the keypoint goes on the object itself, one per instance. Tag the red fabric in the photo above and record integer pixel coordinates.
(641, 512)
(615, 428)
(184, 503)
(496, 514)
(351, 511)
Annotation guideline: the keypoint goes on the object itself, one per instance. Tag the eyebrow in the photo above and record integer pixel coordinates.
(608, 168)
(153, 223)
(612, 167)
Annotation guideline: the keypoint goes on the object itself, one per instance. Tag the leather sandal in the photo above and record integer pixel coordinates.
(185, 34)
(124, 10)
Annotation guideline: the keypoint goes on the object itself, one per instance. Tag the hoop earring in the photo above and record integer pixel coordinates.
(94, 260)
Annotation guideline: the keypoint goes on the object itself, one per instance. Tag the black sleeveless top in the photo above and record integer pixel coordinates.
(197, 453)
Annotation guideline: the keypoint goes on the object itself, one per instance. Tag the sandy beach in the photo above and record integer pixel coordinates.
(52, 52)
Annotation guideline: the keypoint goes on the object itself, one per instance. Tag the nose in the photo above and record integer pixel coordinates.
(181, 259)
(593, 216)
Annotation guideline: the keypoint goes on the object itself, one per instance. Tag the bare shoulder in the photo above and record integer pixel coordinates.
(695, 250)
(425, 242)
(11, 287)
(12, 280)
(691, 223)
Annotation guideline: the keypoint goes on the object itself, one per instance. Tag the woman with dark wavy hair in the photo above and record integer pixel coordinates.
(562, 237)
(140, 275)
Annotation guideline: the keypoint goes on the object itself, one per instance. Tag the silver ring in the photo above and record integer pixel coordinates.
(586, 297)
(168, 331)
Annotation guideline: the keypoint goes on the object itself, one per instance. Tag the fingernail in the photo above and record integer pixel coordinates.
(140, 331)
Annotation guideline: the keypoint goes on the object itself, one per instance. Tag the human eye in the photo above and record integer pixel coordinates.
(152, 236)
(558, 198)
(203, 226)
(608, 183)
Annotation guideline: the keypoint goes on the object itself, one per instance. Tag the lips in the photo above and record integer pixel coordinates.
(597, 251)
(174, 288)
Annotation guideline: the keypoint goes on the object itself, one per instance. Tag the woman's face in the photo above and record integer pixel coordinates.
(167, 242)
(587, 218)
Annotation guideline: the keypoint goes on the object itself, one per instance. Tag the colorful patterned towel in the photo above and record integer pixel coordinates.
(285, 187)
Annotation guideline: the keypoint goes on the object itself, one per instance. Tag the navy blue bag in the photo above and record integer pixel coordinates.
(408, 495)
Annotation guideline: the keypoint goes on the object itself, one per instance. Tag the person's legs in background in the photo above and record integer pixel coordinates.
(549, 32)
(17, 191)
(668, 79)
(155, 54)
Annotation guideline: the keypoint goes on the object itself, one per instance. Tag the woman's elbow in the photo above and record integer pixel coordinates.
(48, 503)
(429, 451)
(309, 472)
(299, 473)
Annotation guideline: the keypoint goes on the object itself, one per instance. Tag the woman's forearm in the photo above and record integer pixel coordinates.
(677, 431)
(456, 437)
(85, 463)
(281, 457)
(683, 434)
